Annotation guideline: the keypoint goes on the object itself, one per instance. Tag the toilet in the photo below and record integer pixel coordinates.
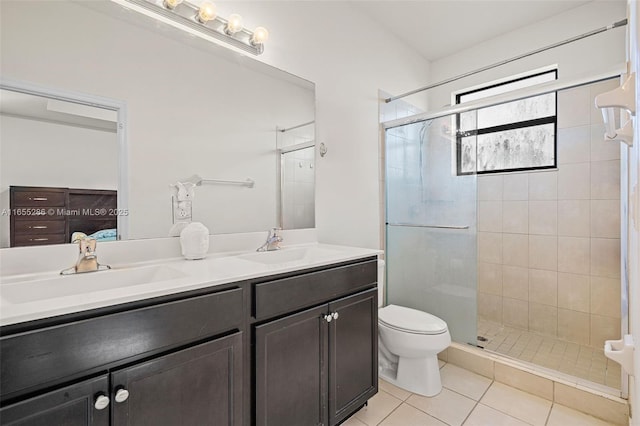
(409, 341)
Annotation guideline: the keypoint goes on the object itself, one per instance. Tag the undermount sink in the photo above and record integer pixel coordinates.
(285, 255)
(74, 285)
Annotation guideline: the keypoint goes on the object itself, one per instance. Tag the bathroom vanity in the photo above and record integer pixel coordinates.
(284, 342)
(315, 340)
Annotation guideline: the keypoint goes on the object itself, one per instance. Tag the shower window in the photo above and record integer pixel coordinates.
(515, 136)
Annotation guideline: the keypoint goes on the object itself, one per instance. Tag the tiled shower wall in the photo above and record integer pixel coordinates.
(549, 241)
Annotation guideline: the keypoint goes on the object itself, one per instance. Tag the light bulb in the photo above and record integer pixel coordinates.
(260, 35)
(206, 12)
(171, 4)
(234, 24)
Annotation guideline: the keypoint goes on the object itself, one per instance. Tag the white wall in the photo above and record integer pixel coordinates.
(592, 54)
(39, 153)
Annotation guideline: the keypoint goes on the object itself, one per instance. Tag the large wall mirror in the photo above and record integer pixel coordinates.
(189, 107)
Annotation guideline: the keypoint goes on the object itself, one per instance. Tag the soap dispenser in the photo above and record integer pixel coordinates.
(194, 240)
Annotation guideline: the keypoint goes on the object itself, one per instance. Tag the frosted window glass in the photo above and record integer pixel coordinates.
(522, 110)
(512, 136)
(468, 120)
(518, 148)
(468, 154)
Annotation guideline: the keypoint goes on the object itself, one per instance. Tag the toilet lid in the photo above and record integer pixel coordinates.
(411, 320)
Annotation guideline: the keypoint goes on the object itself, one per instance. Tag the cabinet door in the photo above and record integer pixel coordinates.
(198, 386)
(353, 353)
(291, 370)
(69, 406)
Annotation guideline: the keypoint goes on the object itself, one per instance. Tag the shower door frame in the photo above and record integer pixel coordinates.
(617, 71)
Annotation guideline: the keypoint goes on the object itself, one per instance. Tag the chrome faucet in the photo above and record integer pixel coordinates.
(87, 259)
(273, 241)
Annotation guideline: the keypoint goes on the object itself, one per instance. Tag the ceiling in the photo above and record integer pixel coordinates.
(23, 105)
(439, 28)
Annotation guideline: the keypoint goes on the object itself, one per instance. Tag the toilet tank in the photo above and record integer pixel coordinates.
(381, 283)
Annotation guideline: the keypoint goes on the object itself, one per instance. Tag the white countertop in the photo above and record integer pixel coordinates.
(29, 297)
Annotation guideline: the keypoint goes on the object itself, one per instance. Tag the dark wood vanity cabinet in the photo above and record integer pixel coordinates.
(291, 366)
(197, 386)
(69, 406)
(353, 354)
(319, 365)
(174, 363)
(294, 349)
(201, 385)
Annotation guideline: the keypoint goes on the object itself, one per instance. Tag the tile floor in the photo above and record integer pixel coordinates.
(570, 358)
(466, 399)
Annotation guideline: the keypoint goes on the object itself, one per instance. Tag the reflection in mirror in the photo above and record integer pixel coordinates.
(58, 170)
(192, 107)
(296, 146)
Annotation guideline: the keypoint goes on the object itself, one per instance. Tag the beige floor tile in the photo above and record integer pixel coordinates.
(406, 415)
(565, 416)
(353, 421)
(448, 406)
(379, 407)
(464, 382)
(394, 390)
(516, 403)
(485, 416)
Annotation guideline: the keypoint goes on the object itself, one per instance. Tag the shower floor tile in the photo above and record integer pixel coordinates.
(569, 358)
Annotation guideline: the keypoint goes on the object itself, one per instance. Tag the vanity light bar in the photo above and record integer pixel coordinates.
(205, 20)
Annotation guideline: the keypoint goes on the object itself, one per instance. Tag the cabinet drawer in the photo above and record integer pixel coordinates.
(38, 227)
(286, 295)
(38, 199)
(36, 239)
(70, 405)
(93, 201)
(53, 354)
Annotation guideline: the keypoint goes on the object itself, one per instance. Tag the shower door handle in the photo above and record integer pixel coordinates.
(414, 225)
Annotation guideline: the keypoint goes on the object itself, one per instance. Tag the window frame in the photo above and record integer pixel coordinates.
(508, 126)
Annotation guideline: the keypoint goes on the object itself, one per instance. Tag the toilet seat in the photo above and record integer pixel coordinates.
(410, 320)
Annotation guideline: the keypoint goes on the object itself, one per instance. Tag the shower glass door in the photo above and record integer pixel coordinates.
(431, 249)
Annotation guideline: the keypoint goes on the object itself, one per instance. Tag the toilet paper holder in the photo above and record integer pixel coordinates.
(621, 351)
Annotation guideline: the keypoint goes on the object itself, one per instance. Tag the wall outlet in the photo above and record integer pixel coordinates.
(182, 211)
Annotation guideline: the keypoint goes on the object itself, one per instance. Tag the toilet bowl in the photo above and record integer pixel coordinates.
(409, 341)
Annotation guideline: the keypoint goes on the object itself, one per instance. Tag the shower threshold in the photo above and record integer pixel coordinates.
(583, 362)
